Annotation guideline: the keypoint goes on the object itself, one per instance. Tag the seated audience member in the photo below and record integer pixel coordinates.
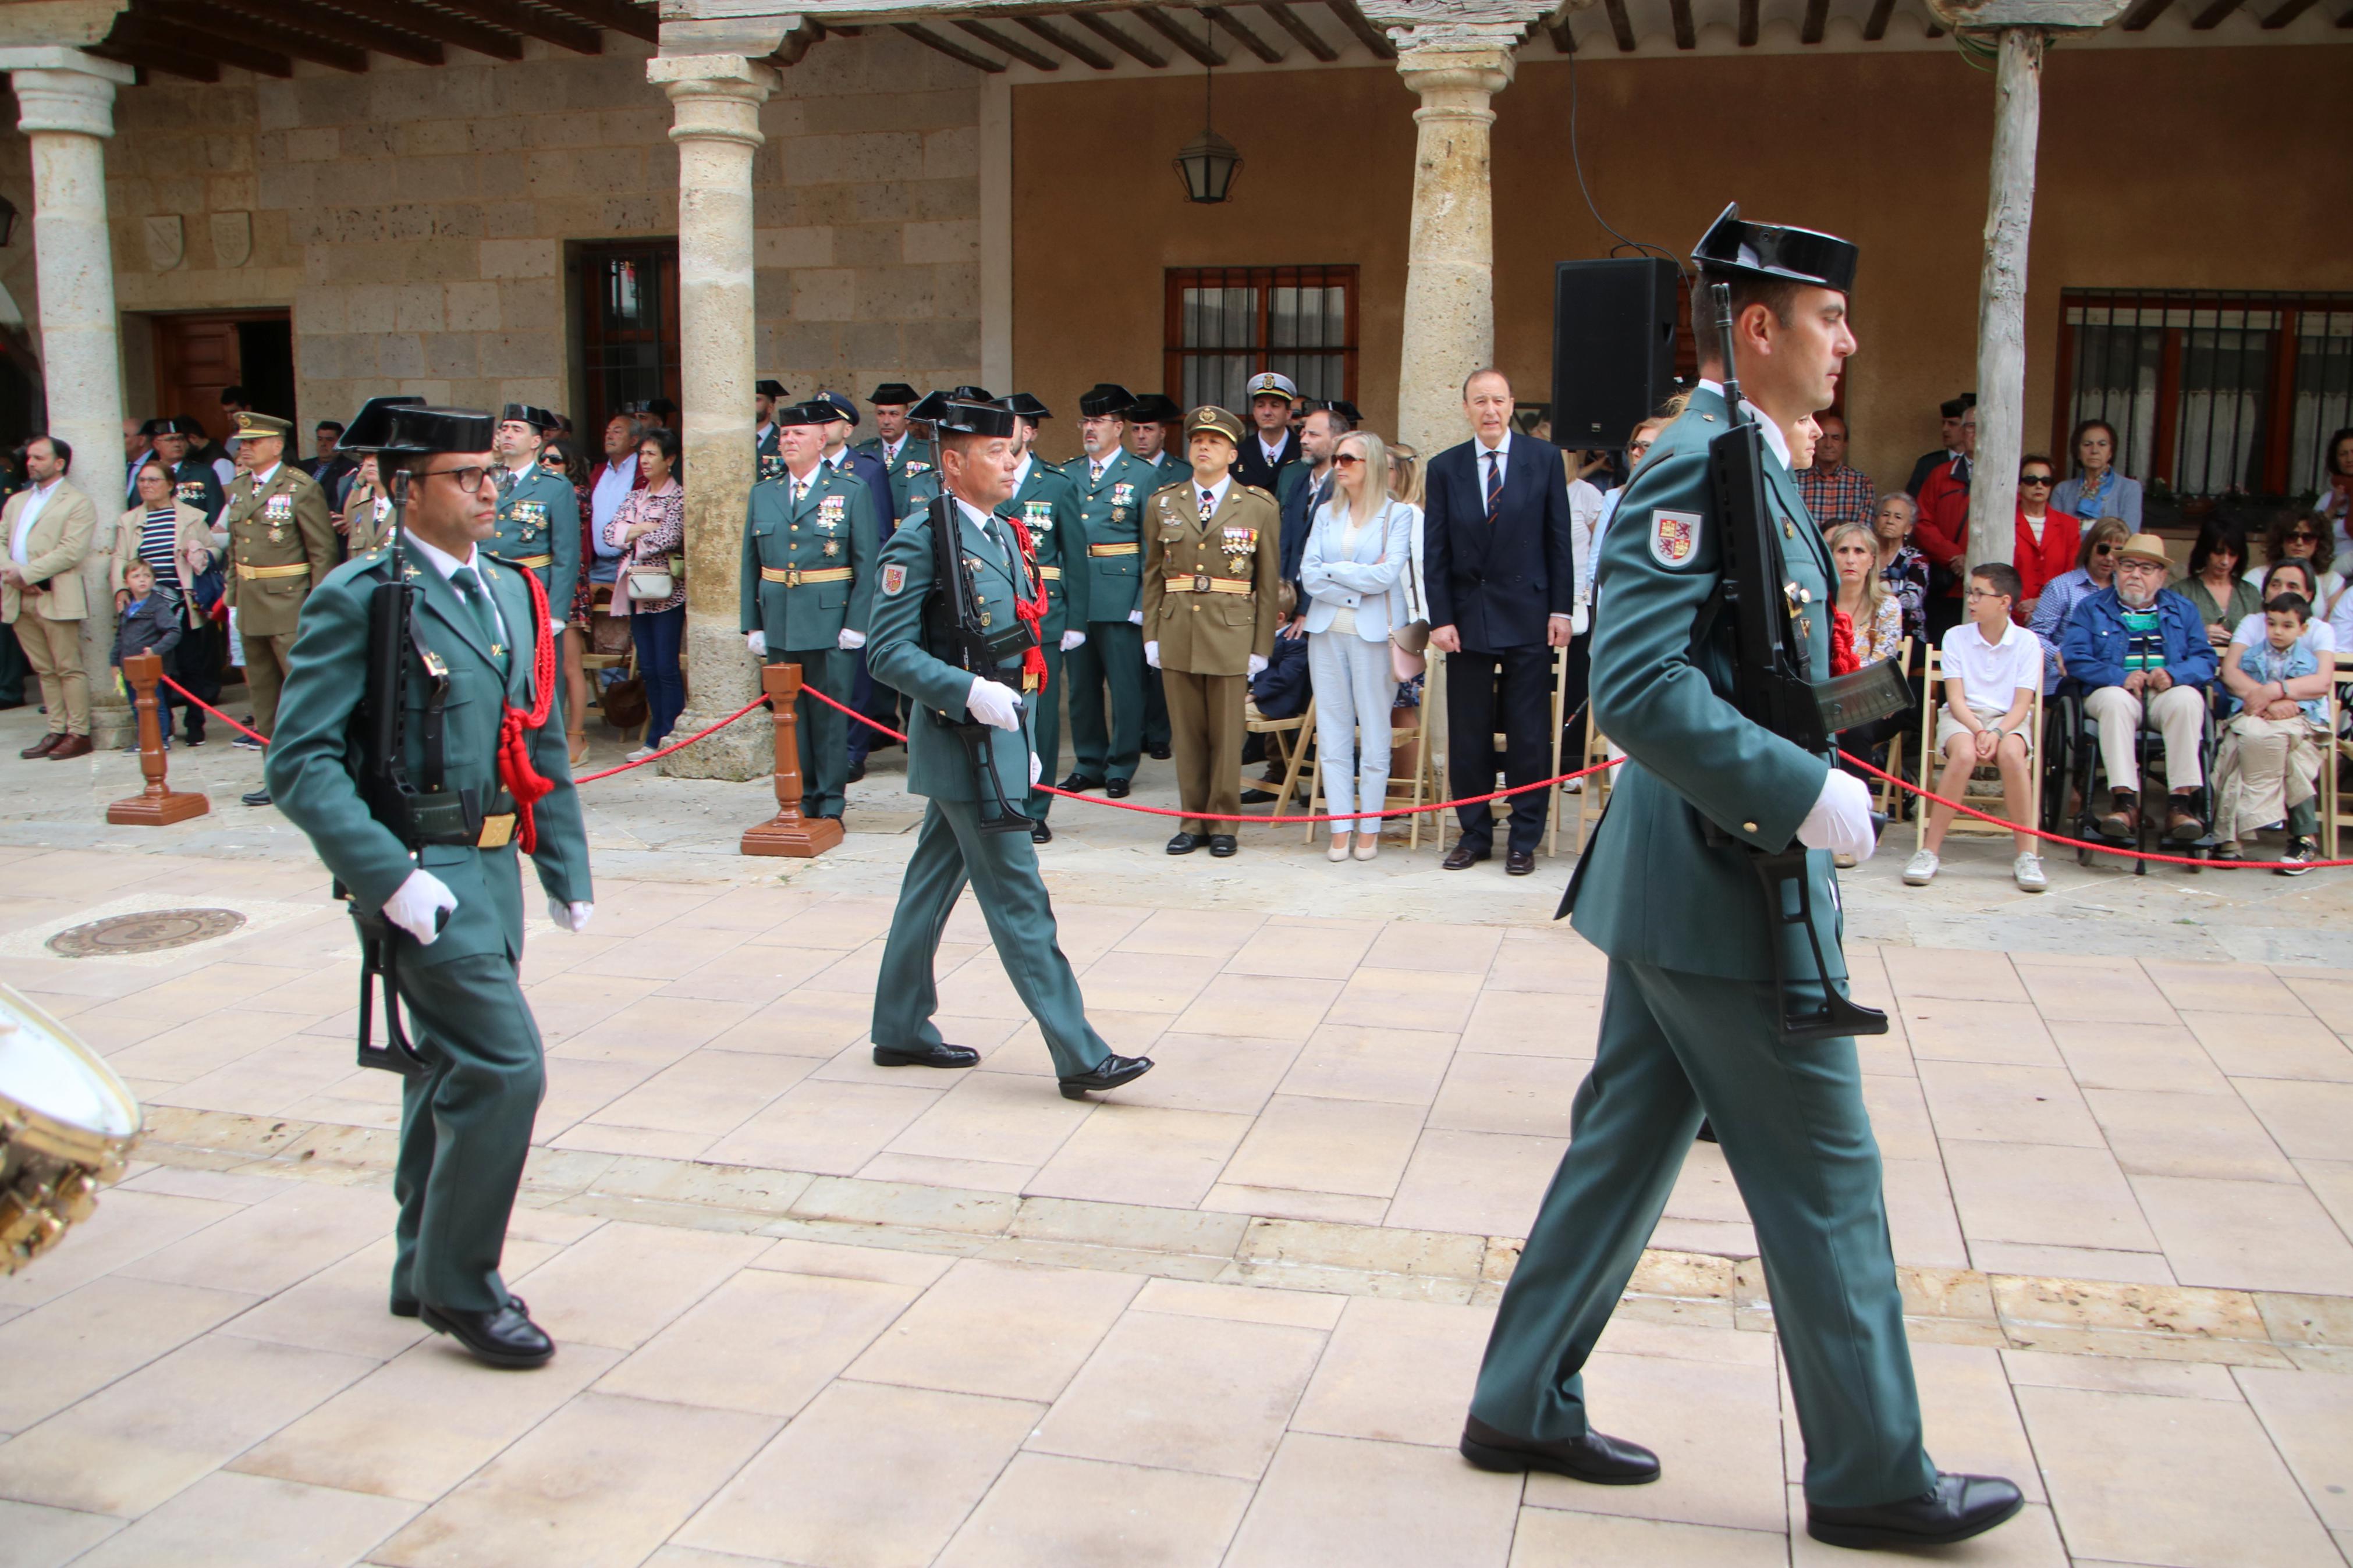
(2095, 568)
(1901, 565)
(2334, 506)
(1835, 493)
(1943, 530)
(2224, 598)
(2288, 577)
(1877, 618)
(2097, 490)
(2301, 536)
(2137, 648)
(2268, 766)
(1992, 669)
(149, 623)
(2047, 538)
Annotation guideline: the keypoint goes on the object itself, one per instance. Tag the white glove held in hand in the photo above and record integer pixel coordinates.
(571, 917)
(758, 643)
(849, 641)
(1840, 820)
(992, 703)
(1152, 654)
(416, 901)
(1581, 621)
(1074, 639)
(1257, 663)
(1135, 617)
(1037, 769)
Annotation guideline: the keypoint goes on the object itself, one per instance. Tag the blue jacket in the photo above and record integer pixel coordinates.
(868, 468)
(2093, 643)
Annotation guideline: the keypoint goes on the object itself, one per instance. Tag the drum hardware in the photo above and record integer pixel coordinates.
(67, 1128)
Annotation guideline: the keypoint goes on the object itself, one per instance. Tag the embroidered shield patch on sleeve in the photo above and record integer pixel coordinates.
(1674, 537)
(894, 577)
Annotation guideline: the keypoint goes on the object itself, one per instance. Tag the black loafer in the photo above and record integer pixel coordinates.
(1158, 753)
(1109, 1073)
(256, 797)
(1186, 843)
(939, 1055)
(1222, 844)
(1116, 788)
(856, 771)
(1955, 1508)
(1604, 1461)
(1258, 796)
(1076, 783)
(1465, 855)
(1039, 833)
(405, 1306)
(1519, 862)
(506, 1337)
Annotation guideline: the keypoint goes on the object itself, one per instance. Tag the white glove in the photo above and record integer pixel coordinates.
(554, 628)
(416, 901)
(1037, 769)
(1152, 654)
(1581, 621)
(992, 703)
(1257, 663)
(1840, 820)
(758, 643)
(1135, 617)
(848, 640)
(571, 917)
(1074, 639)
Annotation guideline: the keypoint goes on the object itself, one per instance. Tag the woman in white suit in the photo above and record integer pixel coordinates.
(1358, 546)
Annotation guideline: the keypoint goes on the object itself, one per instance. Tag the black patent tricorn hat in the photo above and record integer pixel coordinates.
(894, 393)
(1769, 251)
(814, 411)
(1105, 398)
(538, 418)
(406, 426)
(953, 415)
(1027, 406)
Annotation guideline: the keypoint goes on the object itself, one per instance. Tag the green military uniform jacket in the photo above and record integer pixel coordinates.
(913, 461)
(899, 655)
(1048, 505)
(1652, 890)
(1111, 512)
(194, 484)
(769, 460)
(312, 770)
(833, 528)
(1228, 573)
(539, 528)
(281, 544)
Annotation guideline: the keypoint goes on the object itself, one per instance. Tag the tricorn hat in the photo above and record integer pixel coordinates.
(1209, 416)
(404, 426)
(768, 387)
(539, 419)
(1029, 407)
(1105, 398)
(816, 410)
(1769, 251)
(972, 394)
(953, 413)
(1953, 407)
(897, 394)
(1153, 408)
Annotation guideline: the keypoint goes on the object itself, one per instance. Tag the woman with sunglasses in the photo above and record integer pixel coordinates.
(2095, 568)
(2302, 536)
(2047, 538)
(2097, 490)
(2224, 598)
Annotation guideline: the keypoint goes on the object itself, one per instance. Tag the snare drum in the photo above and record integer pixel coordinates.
(66, 1125)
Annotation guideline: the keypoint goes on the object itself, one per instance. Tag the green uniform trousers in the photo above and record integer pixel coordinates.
(1112, 656)
(465, 1128)
(1794, 1131)
(267, 660)
(951, 850)
(821, 732)
(1046, 730)
(1206, 724)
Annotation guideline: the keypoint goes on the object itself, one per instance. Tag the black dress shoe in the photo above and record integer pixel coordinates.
(1955, 1508)
(1258, 796)
(504, 1337)
(405, 1306)
(1116, 788)
(1109, 1073)
(856, 771)
(1186, 843)
(1221, 845)
(1604, 1461)
(1039, 833)
(1078, 782)
(939, 1055)
(256, 797)
(1519, 862)
(1465, 855)
(1158, 753)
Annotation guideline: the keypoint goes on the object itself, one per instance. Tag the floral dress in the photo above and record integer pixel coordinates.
(1906, 576)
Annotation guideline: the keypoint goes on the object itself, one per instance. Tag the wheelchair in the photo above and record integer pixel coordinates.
(2075, 780)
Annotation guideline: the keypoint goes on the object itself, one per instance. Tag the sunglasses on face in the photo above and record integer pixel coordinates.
(2034, 479)
(2104, 549)
(2302, 537)
(1346, 459)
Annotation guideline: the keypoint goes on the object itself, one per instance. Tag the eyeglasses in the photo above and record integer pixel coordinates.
(2104, 549)
(2303, 536)
(2034, 479)
(1346, 459)
(2139, 564)
(1984, 594)
(468, 478)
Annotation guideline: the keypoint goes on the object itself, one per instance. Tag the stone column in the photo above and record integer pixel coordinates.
(65, 101)
(2001, 297)
(1449, 296)
(717, 100)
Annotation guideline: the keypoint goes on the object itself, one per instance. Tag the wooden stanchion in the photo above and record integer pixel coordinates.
(788, 833)
(158, 805)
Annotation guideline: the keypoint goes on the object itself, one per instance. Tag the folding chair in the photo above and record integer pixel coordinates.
(1293, 738)
(1559, 723)
(1595, 797)
(600, 596)
(2336, 754)
(1414, 787)
(1984, 788)
(1889, 798)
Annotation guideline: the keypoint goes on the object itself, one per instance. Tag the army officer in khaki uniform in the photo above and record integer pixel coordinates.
(1212, 575)
(281, 544)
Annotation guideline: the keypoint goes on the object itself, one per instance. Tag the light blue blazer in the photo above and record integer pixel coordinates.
(1363, 580)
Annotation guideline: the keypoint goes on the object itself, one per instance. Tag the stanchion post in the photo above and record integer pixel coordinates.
(158, 805)
(788, 833)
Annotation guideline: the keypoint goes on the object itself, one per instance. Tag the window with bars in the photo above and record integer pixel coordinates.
(629, 326)
(2211, 393)
(1226, 324)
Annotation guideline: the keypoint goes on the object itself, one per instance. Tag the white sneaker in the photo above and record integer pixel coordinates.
(641, 753)
(2028, 871)
(1922, 870)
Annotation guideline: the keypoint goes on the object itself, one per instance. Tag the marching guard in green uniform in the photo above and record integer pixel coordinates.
(1048, 505)
(972, 822)
(281, 544)
(903, 457)
(1692, 1025)
(809, 538)
(539, 511)
(1113, 485)
(435, 883)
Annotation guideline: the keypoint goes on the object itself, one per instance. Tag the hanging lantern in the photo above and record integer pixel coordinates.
(1209, 163)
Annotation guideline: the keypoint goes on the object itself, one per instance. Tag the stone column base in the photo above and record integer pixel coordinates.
(724, 679)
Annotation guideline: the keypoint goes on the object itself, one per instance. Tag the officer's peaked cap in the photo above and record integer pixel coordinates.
(1769, 251)
(1105, 398)
(404, 427)
(842, 407)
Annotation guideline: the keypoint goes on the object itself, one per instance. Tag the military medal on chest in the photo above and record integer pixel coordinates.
(532, 516)
(276, 513)
(1038, 516)
(1238, 543)
(1122, 498)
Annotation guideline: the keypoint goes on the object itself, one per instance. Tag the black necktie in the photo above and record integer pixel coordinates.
(1961, 472)
(1494, 482)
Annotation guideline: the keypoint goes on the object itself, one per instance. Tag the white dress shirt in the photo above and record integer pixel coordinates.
(1765, 424)
(612, 488)
(448, 565)
(35, 499)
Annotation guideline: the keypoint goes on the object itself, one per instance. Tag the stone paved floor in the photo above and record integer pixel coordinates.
(816, 1313)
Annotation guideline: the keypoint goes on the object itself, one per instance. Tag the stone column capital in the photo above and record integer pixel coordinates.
(1464, 64)
(715, 98)
(64, 89)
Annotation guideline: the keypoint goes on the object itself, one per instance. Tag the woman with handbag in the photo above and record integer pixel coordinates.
(650, 528)
(177, 544)
(1358, 547)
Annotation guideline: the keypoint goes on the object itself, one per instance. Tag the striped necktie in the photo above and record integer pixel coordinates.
(1494, 482)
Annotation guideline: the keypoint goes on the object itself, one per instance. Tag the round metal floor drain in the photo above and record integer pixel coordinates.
(151, 930)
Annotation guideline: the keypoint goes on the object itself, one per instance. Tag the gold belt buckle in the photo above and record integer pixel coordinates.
(497, 829)
(1200, 581)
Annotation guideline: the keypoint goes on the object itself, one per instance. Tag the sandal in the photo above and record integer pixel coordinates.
(577, 741)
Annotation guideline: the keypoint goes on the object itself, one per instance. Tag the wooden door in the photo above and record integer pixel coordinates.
(197, 356)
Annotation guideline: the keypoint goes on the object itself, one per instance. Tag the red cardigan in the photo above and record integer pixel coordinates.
(1943, 531)
(2038, 565)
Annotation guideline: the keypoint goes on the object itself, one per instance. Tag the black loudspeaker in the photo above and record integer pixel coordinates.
(1613, 347)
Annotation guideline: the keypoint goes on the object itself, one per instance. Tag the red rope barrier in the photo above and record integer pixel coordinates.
(674, 745)
(211, 710)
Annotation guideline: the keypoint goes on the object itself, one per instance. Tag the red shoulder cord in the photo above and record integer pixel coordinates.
(1032, 612)
(1844, 660)
(516, 728)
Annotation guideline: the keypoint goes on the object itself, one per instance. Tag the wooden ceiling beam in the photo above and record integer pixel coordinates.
(1686, 34)
(1372, 38)
(1563, 40)
(171, 62)
(221, 22)
(1119, 40)
(948, 47)
(1241, 33)
(1014, 46)
(618, 15)
(153, 31)
(342, 29)
(510, 17)
(1747, 33)
(2143, 13)
(1084, 53)
(410, 18)
(2285, 14)
(1621, 26)
(2211, 17)
(1876, 26)
(1203, 52)
(1817, 15)
(1292, 22)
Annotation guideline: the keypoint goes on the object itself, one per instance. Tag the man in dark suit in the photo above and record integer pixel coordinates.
(1271, 445)
(1500, 562)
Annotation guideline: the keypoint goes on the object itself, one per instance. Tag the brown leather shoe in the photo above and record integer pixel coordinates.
(42, 747)
(2122, 819)
(1465, 855)
(1520, 862)
(70, 746)
(2182, 823)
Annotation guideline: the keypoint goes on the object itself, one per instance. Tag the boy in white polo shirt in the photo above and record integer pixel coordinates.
(1992, 670)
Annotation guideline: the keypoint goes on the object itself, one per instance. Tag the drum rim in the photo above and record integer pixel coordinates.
(45, 1134)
